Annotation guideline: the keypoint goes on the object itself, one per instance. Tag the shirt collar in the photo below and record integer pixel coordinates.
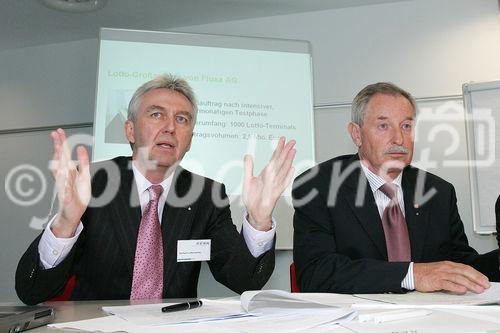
(143, 183)
(376, 181)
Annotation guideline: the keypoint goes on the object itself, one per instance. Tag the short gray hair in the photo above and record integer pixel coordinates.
(358, 108)
(166, 81)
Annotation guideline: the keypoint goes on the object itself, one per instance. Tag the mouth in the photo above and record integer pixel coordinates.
(165, 145)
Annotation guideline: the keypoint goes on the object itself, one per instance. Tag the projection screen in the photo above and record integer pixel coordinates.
(250, 91)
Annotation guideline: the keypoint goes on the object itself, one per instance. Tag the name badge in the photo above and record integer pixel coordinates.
(193, 250)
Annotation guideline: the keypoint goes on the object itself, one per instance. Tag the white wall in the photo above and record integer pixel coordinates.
(429, 47)
(48, 85)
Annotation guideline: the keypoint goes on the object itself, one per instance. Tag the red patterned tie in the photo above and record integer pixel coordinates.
(395, 228)
(147, 281)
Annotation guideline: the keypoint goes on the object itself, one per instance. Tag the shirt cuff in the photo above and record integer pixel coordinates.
(53, 250)
(258, 242)
(408, 283)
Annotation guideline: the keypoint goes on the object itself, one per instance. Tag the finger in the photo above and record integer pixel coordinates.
(66, 171)
(284, 154)
(56, 143)
(65, 152)
(288, 178)
(285, 168)
(60, 175)
(279, 148)
(462, 280)
(83, 160)
(453, 287)
(69, 182)
(248, 170)
(62, 154)
(56, 156)
(472, 275)
(84, 189)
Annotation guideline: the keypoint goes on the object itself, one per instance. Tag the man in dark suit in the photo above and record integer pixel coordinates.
(372, 223)
(97, 234)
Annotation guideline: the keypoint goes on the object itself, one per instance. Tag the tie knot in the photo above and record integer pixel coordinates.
(155, 191)
(389, 190)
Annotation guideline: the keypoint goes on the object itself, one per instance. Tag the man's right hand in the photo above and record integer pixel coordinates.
(448, 276)
(72, 184)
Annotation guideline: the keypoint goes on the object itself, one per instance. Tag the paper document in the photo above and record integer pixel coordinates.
(439, 321)
(111, 324)
(392, 315)
(256, 311)
(262, 302)
(285, 323)
(430, 300)
(151, 314)
(251, 304)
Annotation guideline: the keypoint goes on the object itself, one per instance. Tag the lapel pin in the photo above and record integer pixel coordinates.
(189, 208)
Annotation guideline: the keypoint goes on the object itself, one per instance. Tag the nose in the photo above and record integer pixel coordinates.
(397, 136)
(168, 124)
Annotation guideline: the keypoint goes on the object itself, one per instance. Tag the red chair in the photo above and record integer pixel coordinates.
(294, 287)
(66, 294)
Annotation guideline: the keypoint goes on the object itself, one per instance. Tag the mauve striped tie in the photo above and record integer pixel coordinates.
(147, 281)
(395, 228)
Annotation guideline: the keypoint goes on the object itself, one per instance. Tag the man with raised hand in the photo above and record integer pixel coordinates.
(126, 246)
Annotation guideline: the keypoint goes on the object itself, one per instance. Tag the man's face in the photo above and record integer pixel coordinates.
(163, 128)
(385, 140)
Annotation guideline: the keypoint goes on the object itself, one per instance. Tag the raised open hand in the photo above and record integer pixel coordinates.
(261, 193)
(72, 184)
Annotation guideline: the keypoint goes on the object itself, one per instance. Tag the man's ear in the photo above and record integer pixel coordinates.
(129, 131)
(355, 131)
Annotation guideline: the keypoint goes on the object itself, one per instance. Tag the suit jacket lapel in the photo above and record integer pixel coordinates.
(176, 223)
(416, 213)
(126, 212)
(367, 212)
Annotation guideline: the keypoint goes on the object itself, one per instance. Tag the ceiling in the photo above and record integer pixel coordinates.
(28, 22)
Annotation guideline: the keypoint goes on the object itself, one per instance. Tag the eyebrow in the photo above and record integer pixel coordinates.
(385, 118)
(186, 113)
(155, 107)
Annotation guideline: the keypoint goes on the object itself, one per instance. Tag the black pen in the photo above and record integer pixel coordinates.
(182, 306)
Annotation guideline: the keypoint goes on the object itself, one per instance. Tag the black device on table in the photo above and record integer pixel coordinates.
(20, 318)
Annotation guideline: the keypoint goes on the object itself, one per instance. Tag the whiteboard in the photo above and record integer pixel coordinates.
(482, 106)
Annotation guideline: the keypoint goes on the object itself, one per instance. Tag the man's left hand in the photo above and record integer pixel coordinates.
(261, 193)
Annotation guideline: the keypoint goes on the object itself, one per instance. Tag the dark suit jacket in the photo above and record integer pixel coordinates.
(497, 218)
(103, 257)
(339, 246)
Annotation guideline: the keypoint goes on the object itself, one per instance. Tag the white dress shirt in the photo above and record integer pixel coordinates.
(54, 250)
(382, 202)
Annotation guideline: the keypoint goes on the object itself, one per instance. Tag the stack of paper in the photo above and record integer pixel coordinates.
(257, 311)
(436, 300)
